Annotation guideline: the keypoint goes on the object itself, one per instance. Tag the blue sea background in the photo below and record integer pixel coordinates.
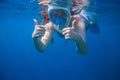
(19, 60)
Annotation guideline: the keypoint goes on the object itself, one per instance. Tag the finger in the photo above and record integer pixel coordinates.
(65, 29)
(40, 32)
(40, 28)
(73, 23)
(67, 36)
(70, 30)
(66, 32)
(40, 35)
(37, 34)
(35, 22)
(75, 18)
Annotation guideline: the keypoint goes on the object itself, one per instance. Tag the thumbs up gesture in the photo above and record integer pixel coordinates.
(39, 30)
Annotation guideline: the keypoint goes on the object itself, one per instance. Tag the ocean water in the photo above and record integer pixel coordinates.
(19, 60)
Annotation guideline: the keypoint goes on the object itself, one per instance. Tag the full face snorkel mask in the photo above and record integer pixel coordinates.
(59, 13)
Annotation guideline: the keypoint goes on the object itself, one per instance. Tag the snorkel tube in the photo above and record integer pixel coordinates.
(59, 13)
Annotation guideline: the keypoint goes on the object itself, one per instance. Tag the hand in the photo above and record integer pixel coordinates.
(75, 18)
(39, 30)
(69, 33)
(72, 32)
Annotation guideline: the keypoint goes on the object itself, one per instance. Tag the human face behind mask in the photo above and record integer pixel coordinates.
(59, 18)
(59, 14)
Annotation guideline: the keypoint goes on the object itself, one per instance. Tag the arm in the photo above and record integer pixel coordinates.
(77, 33)
(80, 39)
(42, 42)
(88, 20)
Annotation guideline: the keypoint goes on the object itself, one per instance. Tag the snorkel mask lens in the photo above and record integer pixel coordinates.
(59, 13)
(59, 17)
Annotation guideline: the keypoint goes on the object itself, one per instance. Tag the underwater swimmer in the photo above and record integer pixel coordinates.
(42, 35)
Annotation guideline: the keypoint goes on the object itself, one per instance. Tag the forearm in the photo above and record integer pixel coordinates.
(38, 44)
(46, 39)
(41, 43)
(81, 36)
(81, 44)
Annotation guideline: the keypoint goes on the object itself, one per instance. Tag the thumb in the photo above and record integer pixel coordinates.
(35, 22)
(73, 24)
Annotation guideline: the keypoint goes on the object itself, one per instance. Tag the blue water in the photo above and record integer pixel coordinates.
(19, 60)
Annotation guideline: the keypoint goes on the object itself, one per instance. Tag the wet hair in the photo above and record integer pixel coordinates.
(44, 13)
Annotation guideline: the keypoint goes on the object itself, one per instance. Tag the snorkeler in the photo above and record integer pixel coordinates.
(64, 18)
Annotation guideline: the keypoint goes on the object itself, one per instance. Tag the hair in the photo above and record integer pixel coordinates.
(77, 4)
